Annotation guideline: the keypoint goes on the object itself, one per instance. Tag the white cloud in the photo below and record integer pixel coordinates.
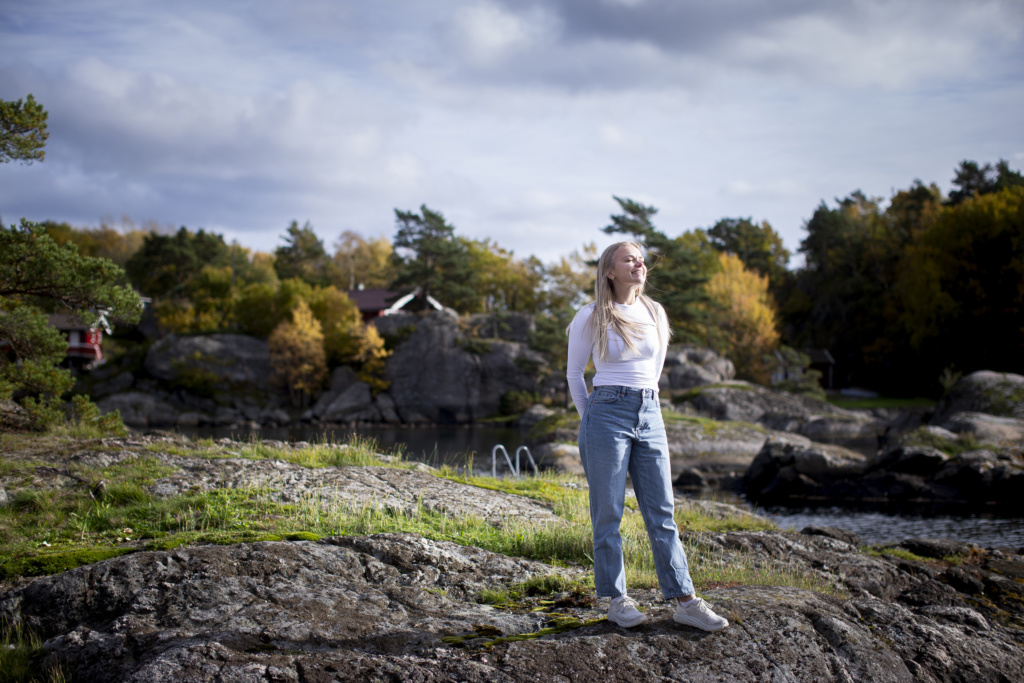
(488, 33)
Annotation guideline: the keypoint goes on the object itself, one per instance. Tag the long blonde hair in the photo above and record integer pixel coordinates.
(606, 317)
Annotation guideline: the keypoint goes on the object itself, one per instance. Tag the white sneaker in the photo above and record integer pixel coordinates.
(622, 611)
(697, 613)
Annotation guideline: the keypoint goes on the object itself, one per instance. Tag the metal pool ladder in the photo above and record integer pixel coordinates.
(514, 468)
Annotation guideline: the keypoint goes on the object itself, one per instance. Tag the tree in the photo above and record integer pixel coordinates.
(503, 282)
(432, 260)
(303, 256)
(758, 246)
(297, 354)
(358, 261)
(39, 276)
(962, 286)
(973, 180)
(740, 319)
(340, 320)
(23, 131)
(105, 241)
(165, 264)
(566, 285)
(677, 268)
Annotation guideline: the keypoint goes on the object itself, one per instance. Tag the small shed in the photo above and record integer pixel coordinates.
(823, 362)
(788, 368)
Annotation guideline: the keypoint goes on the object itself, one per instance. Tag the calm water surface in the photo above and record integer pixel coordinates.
(462, 445)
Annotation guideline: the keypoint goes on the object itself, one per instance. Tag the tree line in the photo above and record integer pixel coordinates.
(899, 291)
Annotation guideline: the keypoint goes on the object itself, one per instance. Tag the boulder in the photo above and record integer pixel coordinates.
(274, 417)
(844, 535)
(533, 415)
(560, 457)
(140, 409)
(690, 479)
(783, 411)
(984, 391)
(225, 362)
(920, 460)
(906, 473)
(984, 427)
(353, 404)
(438, 374)
(818, 460)
(13, 417)
(692, 366)
(385, 406)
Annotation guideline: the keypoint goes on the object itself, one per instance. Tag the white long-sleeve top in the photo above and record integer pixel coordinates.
(622, 367)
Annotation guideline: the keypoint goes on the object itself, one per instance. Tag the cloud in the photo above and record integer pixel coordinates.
(519, 119)
(862, 43)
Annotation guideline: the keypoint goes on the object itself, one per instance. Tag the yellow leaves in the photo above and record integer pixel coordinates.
(741, 317)
(297, 354)
(363, 262)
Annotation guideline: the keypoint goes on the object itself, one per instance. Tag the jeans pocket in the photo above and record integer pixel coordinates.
(602, 395)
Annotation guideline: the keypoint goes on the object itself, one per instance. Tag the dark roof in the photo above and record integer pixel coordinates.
(372, 299)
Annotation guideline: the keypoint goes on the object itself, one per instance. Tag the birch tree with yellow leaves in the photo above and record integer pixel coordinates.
(297, 355)
(740, 319)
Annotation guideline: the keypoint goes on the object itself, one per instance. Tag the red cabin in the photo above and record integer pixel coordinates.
(85, 342)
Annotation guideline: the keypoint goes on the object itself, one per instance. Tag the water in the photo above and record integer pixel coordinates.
(885, 527)
(462, 445)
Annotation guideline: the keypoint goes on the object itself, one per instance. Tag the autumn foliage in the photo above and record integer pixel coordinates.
(740, 317)
(297, 355)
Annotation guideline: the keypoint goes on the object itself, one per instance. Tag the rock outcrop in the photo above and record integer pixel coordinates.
(228, 362)
(905, 473)
(439, 374)
(781, 411)
(993, 393)
(693, 366)
(401, 607)
(404, 607)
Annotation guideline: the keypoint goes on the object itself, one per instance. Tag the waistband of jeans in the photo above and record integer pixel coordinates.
(629, 391)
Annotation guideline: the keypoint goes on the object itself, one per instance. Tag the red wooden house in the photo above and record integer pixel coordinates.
(85, 342)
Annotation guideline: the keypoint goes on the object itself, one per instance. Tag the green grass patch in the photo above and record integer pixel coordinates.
(358, 452)
(49, 530)
(21, 657)
(54, 563)
(951, 447)
(893, 551)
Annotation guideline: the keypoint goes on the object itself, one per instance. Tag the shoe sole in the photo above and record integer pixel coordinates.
(702, 627)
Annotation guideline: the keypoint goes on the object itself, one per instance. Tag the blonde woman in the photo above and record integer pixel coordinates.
(622, 432)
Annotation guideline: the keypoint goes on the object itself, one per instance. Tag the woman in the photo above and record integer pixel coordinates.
(621, 431)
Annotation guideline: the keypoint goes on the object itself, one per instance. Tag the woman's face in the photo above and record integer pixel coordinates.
(628, 267)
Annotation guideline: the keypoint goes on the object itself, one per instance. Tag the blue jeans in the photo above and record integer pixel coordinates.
(622, 432)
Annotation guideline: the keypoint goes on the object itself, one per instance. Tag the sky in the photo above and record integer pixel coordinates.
(519, 120)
